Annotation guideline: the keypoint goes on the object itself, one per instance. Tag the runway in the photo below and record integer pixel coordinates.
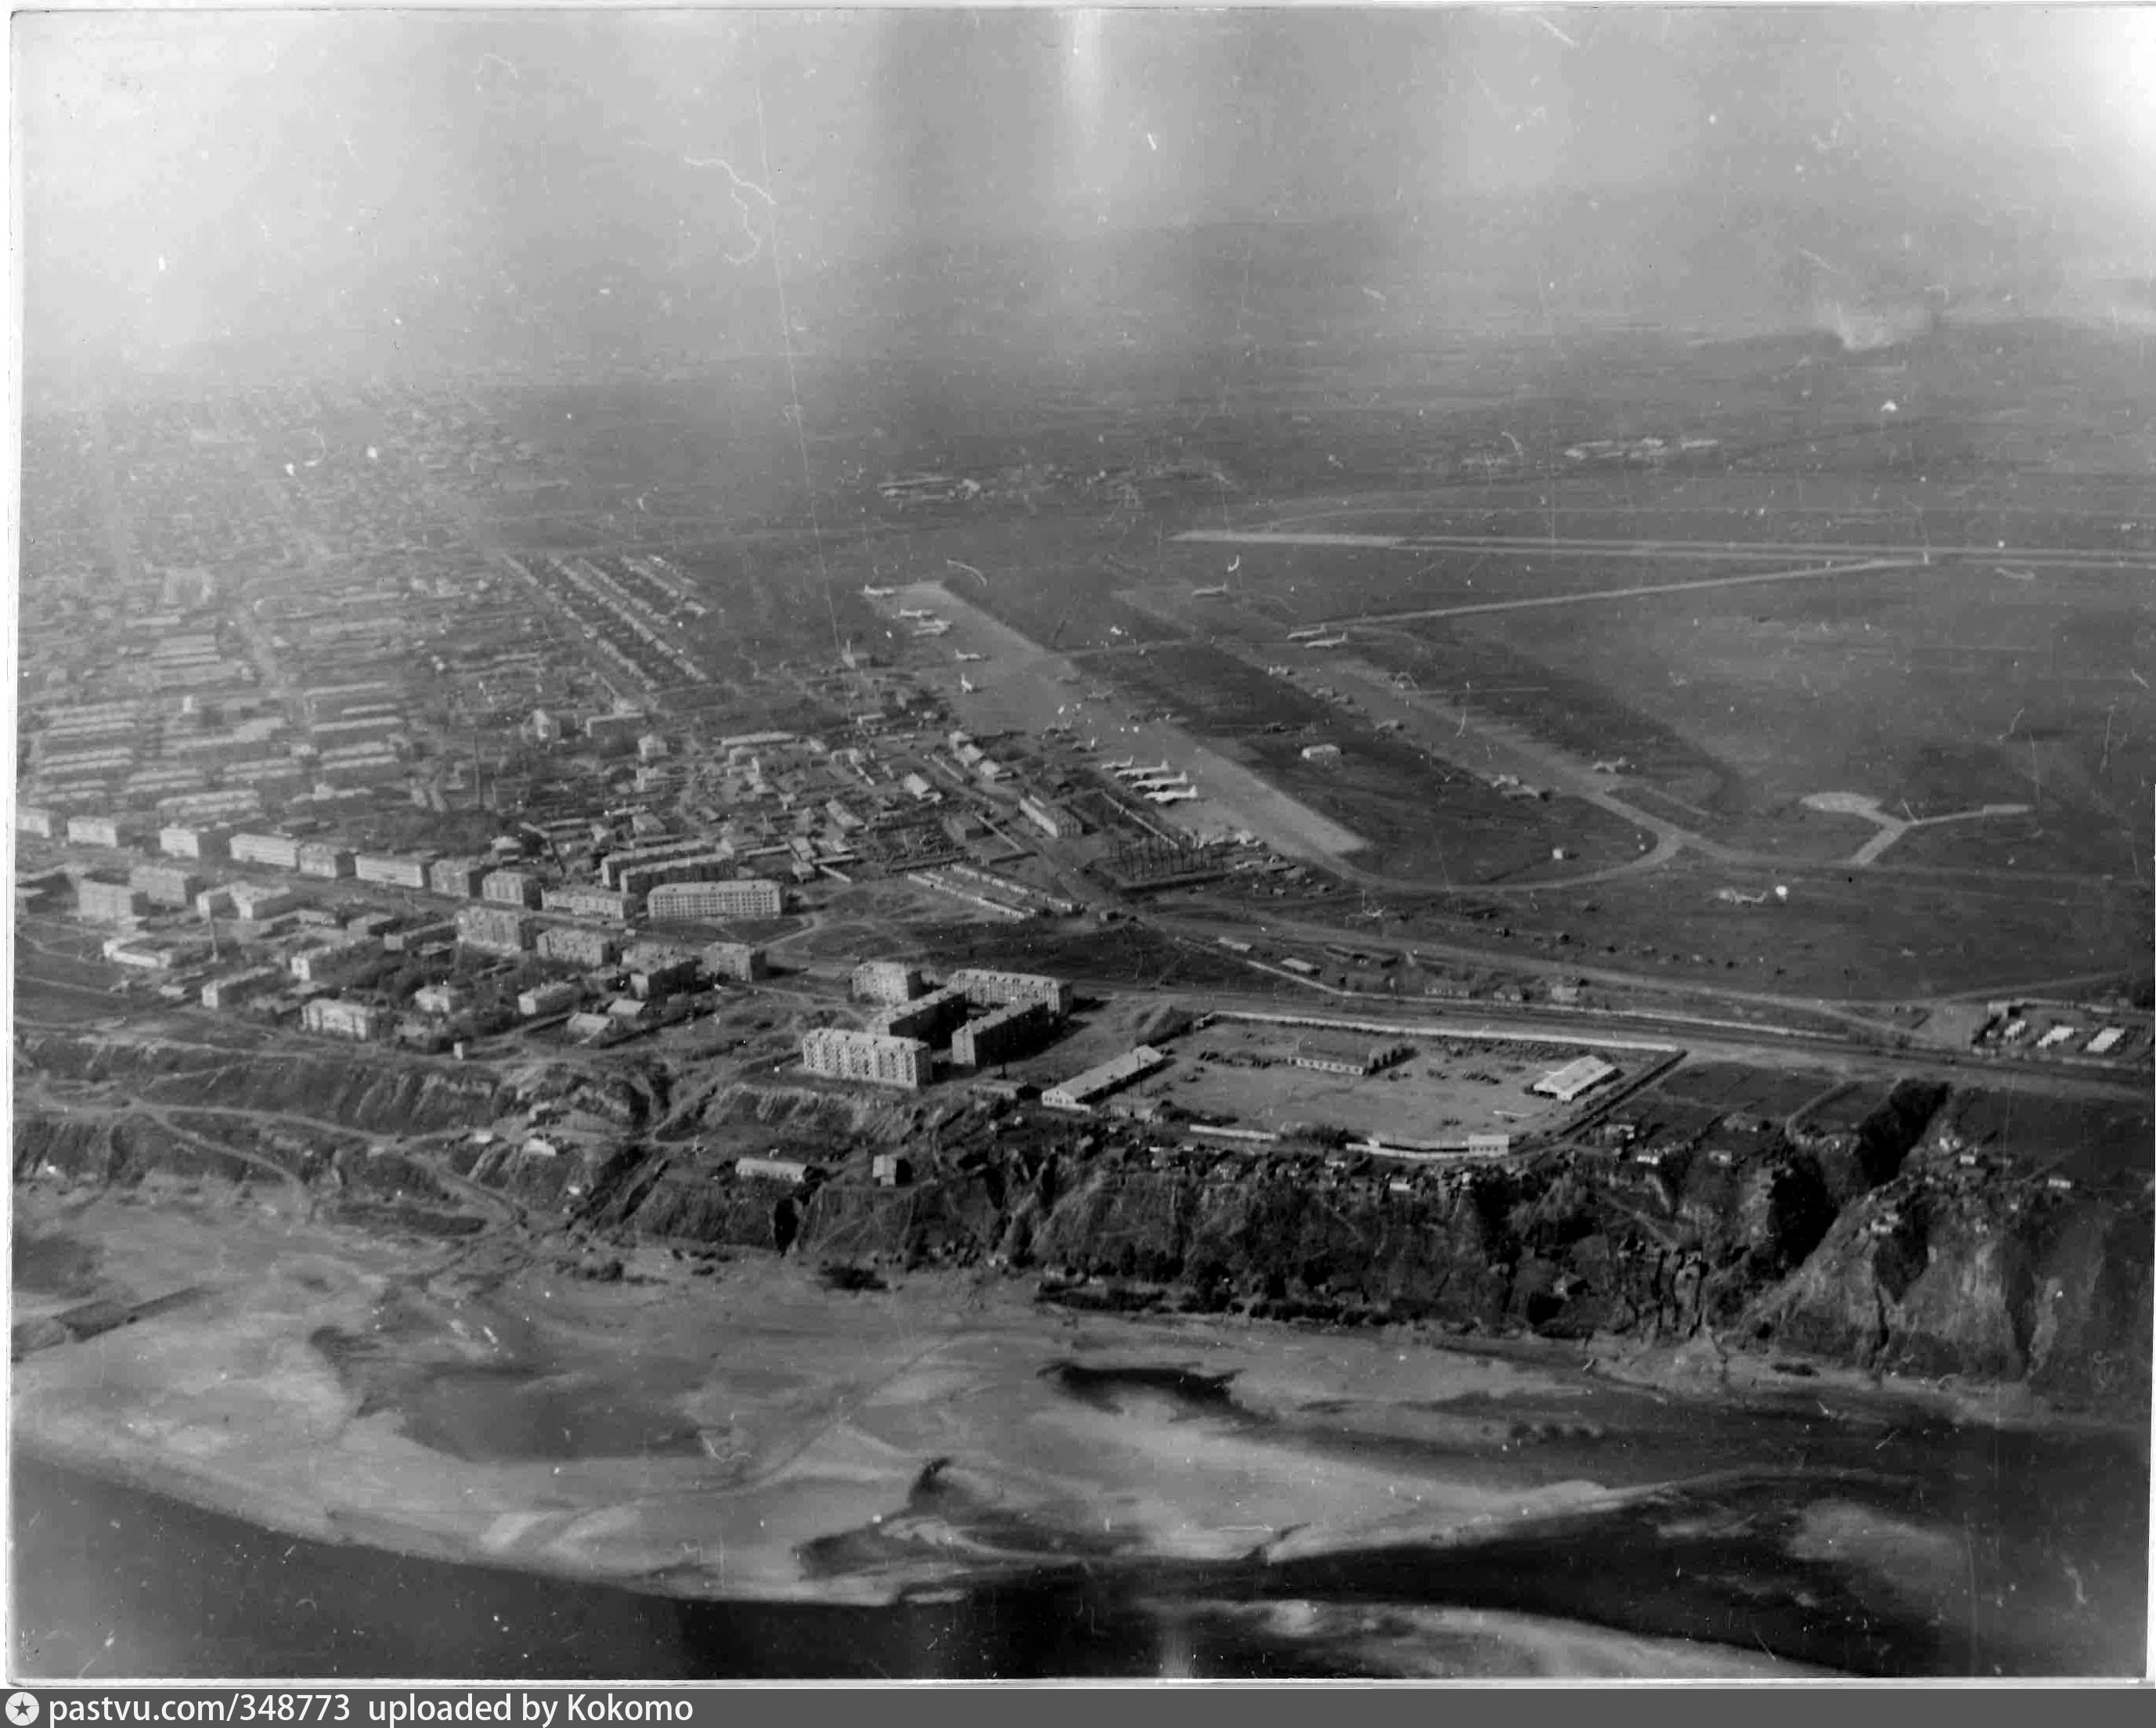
(1569, 546)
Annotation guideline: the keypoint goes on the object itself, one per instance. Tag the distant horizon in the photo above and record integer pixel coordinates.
(566, 188)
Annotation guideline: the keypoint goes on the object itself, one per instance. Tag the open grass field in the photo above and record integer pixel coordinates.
(1871, 935)
(1775, 1093)
(1433, 824)
(1940, 689)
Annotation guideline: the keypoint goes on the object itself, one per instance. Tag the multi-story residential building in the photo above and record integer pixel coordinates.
(548, 998)
(335, 962)
(509, 887)
(660, 978)
(280, 850)
(456, 878)
(887, 981)
(587, 901)
(337, 1019)
(568, 945)
(238, 805)
(237, 987)
(932, 1017)
(750, 897)
(184, 841)
(736, 960)
(390, 870)
(110, 903)
(112, 831)
(841, 1054)
(253, 901)
(615, 864)
(317, 858)
(988, 988)
(494, 930)
(1004, 1035)
(165, 885)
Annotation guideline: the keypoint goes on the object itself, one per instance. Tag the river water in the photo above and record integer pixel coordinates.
(1746, 1573)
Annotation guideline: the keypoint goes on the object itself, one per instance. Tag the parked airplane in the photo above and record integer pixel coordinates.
(1118, 767)
(1325, 642)
(878, 593)
(911, 612)
(934, 627)
(1173, 794)
(963, 655)
(1132, 773)
(1207, 593)
(966, 686)
(1162, 782)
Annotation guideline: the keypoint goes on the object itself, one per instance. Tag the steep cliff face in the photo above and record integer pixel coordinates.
(2007, 1280)
(115, 1153)
(1872, 1245)
(376, 1092)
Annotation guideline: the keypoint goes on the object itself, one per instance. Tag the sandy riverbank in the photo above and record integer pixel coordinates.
(751, 1435)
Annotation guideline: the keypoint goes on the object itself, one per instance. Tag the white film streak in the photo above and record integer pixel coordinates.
(736, 186)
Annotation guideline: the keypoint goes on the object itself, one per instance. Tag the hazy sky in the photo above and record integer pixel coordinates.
(437, 179)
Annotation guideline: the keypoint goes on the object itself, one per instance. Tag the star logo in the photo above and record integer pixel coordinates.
(22, 1708)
